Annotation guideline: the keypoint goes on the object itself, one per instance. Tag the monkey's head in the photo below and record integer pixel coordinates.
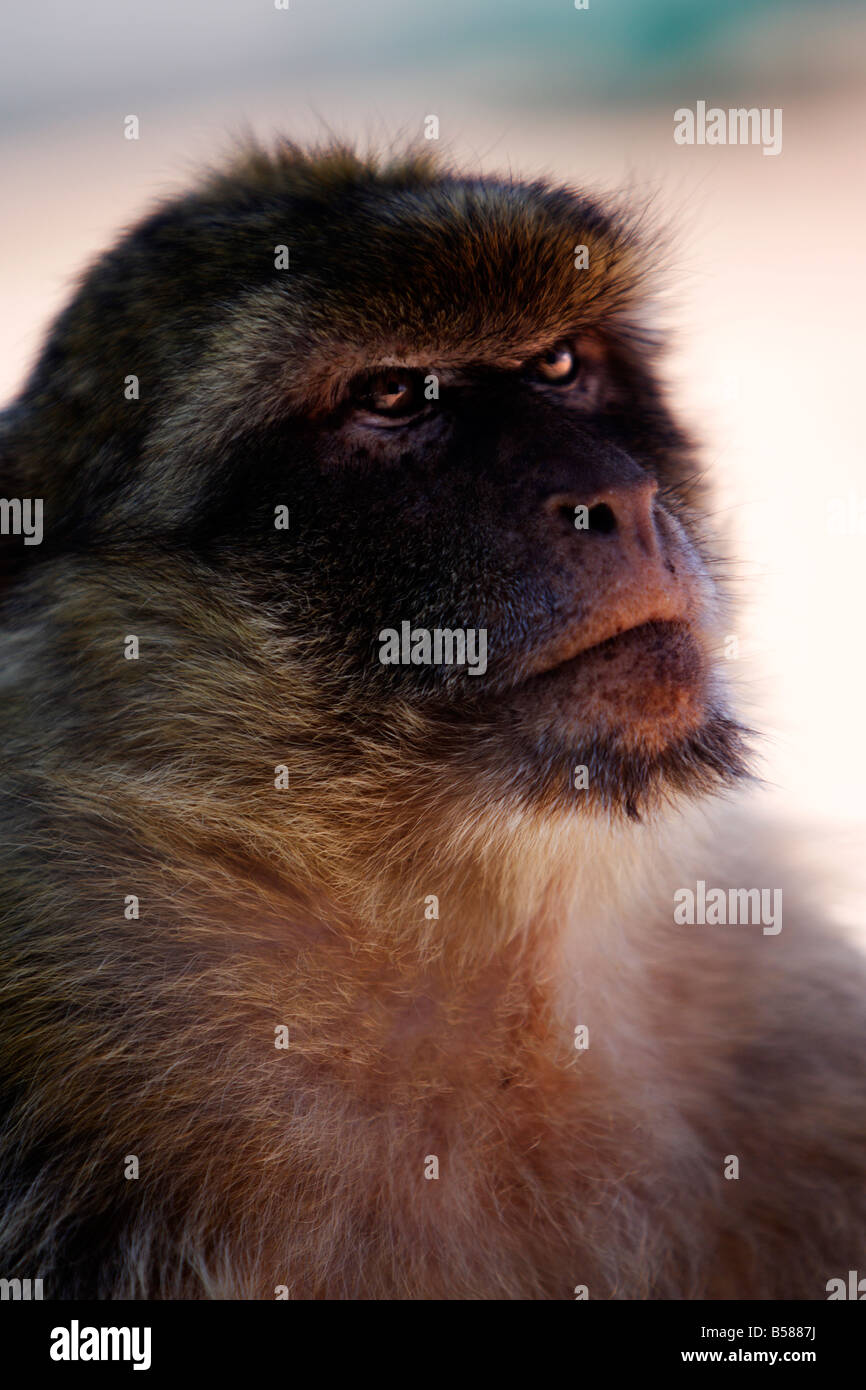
(321, 429)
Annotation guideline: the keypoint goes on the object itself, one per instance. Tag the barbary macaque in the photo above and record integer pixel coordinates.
(335, 966)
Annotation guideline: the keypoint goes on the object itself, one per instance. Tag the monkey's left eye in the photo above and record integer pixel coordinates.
(558, 366)
(395, 391)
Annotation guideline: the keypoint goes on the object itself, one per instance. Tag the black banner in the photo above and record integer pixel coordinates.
(163, 1340)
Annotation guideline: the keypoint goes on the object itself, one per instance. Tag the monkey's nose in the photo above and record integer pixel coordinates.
(617, 561)
(625, 509)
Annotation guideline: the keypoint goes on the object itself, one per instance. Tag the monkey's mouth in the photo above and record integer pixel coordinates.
(653, 634)
(648, 683)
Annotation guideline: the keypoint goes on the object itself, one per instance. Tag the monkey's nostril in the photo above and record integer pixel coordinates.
(602, 519)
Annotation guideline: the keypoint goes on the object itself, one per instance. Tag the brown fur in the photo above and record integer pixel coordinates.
(409, 1037)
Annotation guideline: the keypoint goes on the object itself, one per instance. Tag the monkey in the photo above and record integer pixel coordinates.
(337, 964)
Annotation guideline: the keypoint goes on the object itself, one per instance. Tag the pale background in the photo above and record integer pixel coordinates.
(769, 300)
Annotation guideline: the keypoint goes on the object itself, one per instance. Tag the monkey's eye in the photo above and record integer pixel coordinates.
(558, 366)
(394, 391)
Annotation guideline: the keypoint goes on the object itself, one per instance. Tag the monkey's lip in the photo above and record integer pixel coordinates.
(571, 653)
(646, 685)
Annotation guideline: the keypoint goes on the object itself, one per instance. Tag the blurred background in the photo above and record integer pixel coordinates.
(768, 300)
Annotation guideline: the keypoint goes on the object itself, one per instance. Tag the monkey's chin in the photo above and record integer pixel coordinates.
(628, 723)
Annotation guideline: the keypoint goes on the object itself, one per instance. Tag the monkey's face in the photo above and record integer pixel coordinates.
(432, 453)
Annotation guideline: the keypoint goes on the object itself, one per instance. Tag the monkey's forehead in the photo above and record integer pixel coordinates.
(277, 281)
(319, 271)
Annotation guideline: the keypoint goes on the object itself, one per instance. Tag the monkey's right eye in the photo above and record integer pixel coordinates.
(558, 366)
(394, 391)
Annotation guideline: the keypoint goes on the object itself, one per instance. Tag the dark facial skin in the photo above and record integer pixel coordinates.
(462, 514)
(457, 512)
